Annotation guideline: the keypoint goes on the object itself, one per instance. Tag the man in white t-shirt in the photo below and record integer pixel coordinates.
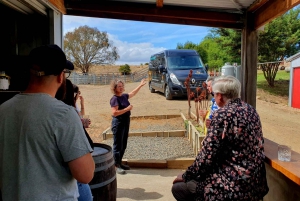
(41, 155)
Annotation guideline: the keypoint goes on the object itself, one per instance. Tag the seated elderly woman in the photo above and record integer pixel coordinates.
(230, 165)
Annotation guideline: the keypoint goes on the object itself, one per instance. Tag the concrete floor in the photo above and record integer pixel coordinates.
(146, 184)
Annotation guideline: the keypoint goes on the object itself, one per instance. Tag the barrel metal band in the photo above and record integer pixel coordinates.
(102, 159)
(105, 167)
(103, 183)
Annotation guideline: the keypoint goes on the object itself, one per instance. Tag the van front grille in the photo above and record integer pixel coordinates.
(194, 85)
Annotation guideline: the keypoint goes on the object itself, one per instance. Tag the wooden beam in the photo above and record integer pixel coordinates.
(159, 3)
(59, 5)
(272, 9)
(147, 18)
(249, 61)
(256, 5)
(149, 12)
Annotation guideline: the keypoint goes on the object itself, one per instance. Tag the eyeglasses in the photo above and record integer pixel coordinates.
(67, 73)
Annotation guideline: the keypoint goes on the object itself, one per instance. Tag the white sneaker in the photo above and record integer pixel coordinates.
(120, 170)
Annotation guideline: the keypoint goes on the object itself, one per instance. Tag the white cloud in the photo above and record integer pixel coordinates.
(134, 53)
(137, 41)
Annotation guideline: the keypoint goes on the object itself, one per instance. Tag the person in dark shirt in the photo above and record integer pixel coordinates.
(230, 165)
(121, 108)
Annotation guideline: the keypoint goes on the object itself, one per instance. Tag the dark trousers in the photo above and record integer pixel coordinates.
(184, 191)
(120, 129)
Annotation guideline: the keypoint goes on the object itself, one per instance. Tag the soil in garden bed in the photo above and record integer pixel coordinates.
(159, 148)
(145, 124)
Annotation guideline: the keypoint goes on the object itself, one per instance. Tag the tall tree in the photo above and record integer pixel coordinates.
(216, 57)
(280, 39)
(229, 40)
(87, 46)
(193, 46)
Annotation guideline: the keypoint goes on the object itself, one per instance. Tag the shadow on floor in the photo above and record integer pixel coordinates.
(137, 194)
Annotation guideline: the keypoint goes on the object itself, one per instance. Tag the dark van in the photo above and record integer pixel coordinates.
(169, 69)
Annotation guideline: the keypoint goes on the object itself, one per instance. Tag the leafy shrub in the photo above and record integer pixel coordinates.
(125, 69)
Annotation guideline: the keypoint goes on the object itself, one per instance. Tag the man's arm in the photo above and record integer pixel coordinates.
(83, 168)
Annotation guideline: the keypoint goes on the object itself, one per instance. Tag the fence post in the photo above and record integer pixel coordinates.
(94, 78)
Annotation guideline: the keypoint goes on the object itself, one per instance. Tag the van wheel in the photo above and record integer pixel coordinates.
(168, 93)
(150, 88)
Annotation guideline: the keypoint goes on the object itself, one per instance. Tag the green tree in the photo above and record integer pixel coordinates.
(87, 46)
(193, 46)
(280, 39)
(215, 55)
(229, 40)
(125, 69)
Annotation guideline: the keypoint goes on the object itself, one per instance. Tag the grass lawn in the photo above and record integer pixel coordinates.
(281, 87)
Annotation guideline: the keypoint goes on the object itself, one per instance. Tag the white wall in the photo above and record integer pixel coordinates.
(56, 33)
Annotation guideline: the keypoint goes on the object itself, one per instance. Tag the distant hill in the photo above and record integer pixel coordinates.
(99, 69)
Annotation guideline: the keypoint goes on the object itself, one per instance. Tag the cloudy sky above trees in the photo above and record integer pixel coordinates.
(136, 41)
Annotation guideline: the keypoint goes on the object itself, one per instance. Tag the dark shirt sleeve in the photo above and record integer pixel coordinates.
(209, 155)
(114, 101)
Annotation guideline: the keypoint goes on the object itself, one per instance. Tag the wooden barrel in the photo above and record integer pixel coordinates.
(104, 183)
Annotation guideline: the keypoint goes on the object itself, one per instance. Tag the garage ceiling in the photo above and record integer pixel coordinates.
(212, 13)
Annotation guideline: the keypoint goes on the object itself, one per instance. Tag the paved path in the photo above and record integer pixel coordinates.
(146, 184)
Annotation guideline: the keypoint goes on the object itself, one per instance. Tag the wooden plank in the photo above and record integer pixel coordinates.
(159, 3)
(256, 5)
(150, 13)
(59, 4)
(290, 169)
(272, 9)
(249, 61)
(180, 163)
(150, 163)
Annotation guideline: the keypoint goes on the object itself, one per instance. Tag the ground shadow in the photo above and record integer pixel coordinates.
(137, 194)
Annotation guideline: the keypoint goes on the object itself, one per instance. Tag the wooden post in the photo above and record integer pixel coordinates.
(249, 61)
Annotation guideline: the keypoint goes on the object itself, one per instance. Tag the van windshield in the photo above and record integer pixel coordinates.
(184, 62)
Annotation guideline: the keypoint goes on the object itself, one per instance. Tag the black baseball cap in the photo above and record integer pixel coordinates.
(49, 60)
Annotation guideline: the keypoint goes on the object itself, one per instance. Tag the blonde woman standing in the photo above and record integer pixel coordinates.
(121, 108)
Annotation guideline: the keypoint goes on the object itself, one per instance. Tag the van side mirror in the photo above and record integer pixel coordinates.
(161, 68)
(152, 68)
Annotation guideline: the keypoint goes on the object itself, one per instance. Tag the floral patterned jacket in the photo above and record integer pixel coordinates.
(230, 165)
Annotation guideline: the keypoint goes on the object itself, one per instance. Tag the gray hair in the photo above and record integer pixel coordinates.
(210, 79)
(228, 86)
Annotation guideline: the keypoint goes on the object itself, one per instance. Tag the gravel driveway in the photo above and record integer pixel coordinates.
(280, 123)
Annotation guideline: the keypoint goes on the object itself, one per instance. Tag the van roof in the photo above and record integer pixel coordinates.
(176, 52)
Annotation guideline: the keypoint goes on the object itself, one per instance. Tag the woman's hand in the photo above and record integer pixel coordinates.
(178, 179)
(207, 122)
(129, 108)
(202, 113)
(143, 82)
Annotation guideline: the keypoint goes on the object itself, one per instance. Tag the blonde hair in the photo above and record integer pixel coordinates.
(114, 84)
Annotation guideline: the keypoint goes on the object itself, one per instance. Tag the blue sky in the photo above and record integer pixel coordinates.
(136, 41)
